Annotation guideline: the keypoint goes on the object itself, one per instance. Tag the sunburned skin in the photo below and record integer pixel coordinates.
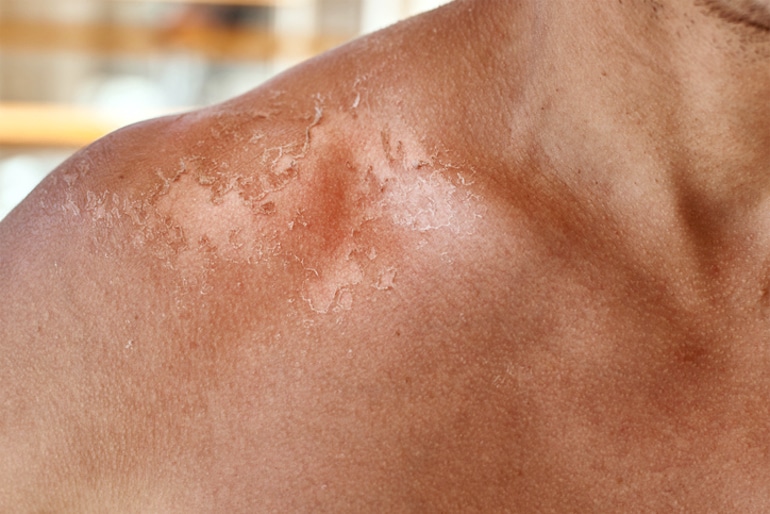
(305, 202)
(503, 257)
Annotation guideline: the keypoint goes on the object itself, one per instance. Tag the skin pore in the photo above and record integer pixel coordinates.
(501, 257)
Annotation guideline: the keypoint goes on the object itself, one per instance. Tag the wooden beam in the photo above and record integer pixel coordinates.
(52, 125)
(262, 3)
(215, 43)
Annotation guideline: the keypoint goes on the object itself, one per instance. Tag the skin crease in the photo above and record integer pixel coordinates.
(502, 257)
(753, 12)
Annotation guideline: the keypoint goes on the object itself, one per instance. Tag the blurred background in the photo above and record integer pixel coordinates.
(71, 71)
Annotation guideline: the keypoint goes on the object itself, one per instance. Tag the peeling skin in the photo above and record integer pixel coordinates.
(320, 202)
(386, 280)
(421, 198)
(319, 112)
(358, 95)
(330, 288)
(300, 199)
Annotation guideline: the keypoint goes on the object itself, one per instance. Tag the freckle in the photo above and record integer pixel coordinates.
(765, 297)
(268, 208)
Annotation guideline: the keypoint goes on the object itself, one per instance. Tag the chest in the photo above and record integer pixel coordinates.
(601, 381)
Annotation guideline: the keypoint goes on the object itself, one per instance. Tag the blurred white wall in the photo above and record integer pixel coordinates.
(19, 174)
(378, 14)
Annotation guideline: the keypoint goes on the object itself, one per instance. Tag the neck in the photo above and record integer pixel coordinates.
(639, 92)
(650, 115)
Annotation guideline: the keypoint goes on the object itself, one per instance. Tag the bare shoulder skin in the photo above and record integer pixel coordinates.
(502, 257)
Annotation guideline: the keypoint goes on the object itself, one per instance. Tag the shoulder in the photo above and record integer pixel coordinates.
(201, 252)
(307, 174)
(304, 197)
(307, 195)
